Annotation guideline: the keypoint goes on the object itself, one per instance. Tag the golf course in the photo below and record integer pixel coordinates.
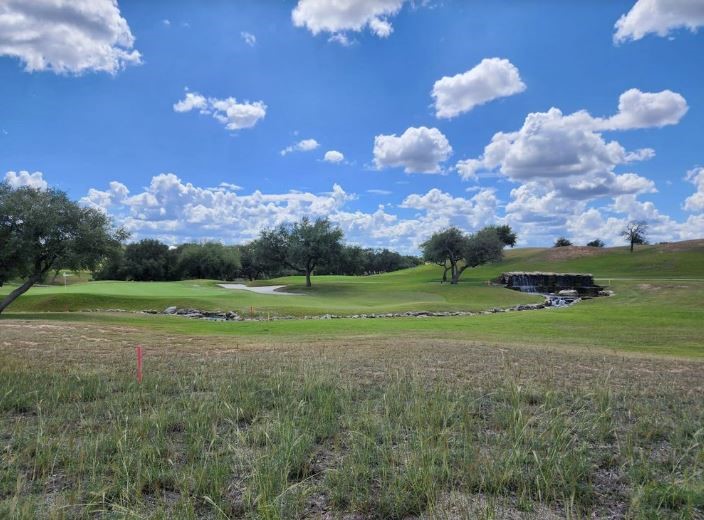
(592, 409)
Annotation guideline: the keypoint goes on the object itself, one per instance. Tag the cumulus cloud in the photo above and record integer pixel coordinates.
(659, 17)
(695, 202)
(340, 16)
(493, 78)
(248, 38)
(477, 211)
(638, 109)
(306, 145)
(417, 150)
(177, 211)
(563, 163)
(24, 178)
(567, 157)
(67, 36)
(234, 115)
(333, 156)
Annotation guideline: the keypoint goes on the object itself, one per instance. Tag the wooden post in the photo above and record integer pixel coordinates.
(139, 363)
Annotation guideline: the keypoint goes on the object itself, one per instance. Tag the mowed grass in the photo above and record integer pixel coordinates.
(372, 428)
(413, 289)
(655, 317)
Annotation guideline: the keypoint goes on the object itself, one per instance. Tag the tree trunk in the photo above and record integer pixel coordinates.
(631, 246)
(444, 274)
(308, 284)
(456, 273)
(19, 291)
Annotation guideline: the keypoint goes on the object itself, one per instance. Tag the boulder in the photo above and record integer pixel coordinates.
(170, 310)
(568, 292)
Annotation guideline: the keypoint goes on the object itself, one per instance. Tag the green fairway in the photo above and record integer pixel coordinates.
(658, 311)
(411, 289)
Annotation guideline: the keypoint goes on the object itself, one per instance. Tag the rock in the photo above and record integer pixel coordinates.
(170, 310)
(606, 292)
(568, 292)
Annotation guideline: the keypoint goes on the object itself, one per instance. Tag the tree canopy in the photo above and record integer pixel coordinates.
(457, 251)
(44, 229)
(596, 243)
(636, 233)
(562, 242)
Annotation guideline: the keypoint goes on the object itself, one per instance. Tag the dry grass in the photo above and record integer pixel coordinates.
(374, 427)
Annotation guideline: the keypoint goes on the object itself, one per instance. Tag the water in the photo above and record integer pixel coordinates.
(522, 283)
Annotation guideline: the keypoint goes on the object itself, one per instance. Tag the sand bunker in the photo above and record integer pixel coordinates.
(268, 289)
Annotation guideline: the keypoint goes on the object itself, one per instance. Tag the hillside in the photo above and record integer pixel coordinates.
(673, 260)
(410, 289)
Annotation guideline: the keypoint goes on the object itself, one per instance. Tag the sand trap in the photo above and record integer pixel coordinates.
(267, 289)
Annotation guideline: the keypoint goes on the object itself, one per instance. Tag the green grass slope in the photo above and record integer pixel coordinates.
(415, 289)
(675, 260)
(411, 289)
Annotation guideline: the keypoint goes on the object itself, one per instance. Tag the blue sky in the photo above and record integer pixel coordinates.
(552, 116)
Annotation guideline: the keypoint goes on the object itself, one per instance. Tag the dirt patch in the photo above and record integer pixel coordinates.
(571, 252)
(460, 505)
(687, 245)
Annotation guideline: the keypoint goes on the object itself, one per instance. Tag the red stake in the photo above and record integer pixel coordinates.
(139, 363)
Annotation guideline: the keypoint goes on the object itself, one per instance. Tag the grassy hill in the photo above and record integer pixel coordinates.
(674, 260)
(410, 289)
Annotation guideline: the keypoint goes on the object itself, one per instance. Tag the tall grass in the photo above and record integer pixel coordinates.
(287, 432)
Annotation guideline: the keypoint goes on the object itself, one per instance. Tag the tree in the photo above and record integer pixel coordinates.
(149, 260)
(310, 243)
(596, 243)
(483, 247)
(635, 232)
(461, 252)
(562, 242)
(269, 251)
(249, 267)
(210, 260)
(506, 235)
(301, 247)
(446, 247)
(42, 230)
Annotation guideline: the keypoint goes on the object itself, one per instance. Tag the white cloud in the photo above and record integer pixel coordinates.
(417, 150)
(248, 38)
(375, 191)
(638, 109)
(567, 155)
(306, 145)
(339, 16)
(234, 115)
(477, 211)
(659, 17)
(333, 156)
(563, 164)
(190, 102)
(695, 202)
(229, 186)
(24, 178)
(67, 36)
(102, 200)
(176, 211)
(493, 78)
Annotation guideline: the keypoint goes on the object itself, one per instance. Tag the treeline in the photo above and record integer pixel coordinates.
(273, 254)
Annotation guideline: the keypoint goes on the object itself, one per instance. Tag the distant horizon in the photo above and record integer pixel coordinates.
(191, 122)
